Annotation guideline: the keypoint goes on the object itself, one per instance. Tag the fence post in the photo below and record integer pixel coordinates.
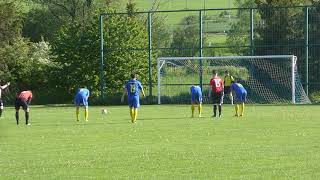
(251, 32)
(293, 79)
(150, 53)
(306, 46)
(200, 45)
(102, 80)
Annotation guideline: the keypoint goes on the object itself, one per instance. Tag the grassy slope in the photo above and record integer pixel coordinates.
(172, 19)
(270, 142)
(185, 4)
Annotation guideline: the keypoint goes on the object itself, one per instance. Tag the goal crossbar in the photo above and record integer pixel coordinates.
(228, 57)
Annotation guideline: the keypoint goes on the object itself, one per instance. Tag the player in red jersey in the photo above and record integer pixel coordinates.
(23, 99)
(216, 91)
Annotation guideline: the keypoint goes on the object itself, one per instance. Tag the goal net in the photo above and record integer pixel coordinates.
(269, 79)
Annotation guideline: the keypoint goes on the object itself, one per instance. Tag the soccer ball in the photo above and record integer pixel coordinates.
(104, 111)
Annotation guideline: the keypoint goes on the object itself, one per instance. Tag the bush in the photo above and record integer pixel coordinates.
(27, 65)
(76, 48)
(315, 97)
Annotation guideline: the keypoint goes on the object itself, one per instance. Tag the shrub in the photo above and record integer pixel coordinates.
(315, 97)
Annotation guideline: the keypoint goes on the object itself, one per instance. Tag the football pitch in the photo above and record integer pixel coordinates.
(269, 142)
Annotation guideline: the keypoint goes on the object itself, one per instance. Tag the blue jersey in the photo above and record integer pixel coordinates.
(195, 90)
(238, 88)
(196, 94)
(240, 92)
(82, 97)
(82, 93)
(133, 88)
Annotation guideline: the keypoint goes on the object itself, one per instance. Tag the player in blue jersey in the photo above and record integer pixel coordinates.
(81, 99)
(196, 99)
(132, 89)
(240, 95)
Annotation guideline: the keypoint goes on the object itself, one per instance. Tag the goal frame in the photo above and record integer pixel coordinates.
(293, 58)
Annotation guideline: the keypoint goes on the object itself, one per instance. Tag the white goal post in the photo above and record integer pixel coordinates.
(268, 79)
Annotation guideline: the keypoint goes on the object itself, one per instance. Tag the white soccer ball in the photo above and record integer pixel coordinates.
(104, 111)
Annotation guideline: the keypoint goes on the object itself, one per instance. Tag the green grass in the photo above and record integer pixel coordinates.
(184, 4)
(214, 26)
(174, 18)
(270, 142)
(216, 39)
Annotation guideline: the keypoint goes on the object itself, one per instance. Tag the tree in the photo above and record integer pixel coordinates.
(314, 41)
(274, 27)
(10, 22)
(185, 40)
(123, 35)
(66, 10)
(280, 26)
(22, 62)
(26, 64)
(160, 33)
(238, 37)
(76, 48)
(47, 16)
(40, 24)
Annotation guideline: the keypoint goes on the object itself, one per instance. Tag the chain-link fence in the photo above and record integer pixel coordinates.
(230, 32)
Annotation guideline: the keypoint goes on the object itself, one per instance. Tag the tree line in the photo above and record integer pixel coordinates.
(53, 47)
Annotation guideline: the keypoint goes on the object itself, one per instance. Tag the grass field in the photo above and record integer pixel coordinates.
(184, 4)
(270, 142)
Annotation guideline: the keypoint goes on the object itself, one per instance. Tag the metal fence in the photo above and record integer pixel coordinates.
(231, 31)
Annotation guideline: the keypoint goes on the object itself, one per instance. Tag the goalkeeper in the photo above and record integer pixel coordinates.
(227, 80)
(196, 99)
(240, 96)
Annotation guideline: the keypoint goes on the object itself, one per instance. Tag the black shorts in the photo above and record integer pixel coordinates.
(227, 90)
(217, 97)
(19, 102)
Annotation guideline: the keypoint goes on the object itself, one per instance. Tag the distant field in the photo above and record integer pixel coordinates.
(185, 4)
(215, 27)
(269, 142)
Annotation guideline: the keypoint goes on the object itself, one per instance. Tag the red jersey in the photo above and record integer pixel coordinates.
(25, 95)
(217, 84)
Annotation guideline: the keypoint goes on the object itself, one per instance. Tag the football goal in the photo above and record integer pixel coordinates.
(271, 79)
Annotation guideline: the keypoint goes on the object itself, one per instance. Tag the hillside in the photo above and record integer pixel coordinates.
(214, 27)
(184, 4)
